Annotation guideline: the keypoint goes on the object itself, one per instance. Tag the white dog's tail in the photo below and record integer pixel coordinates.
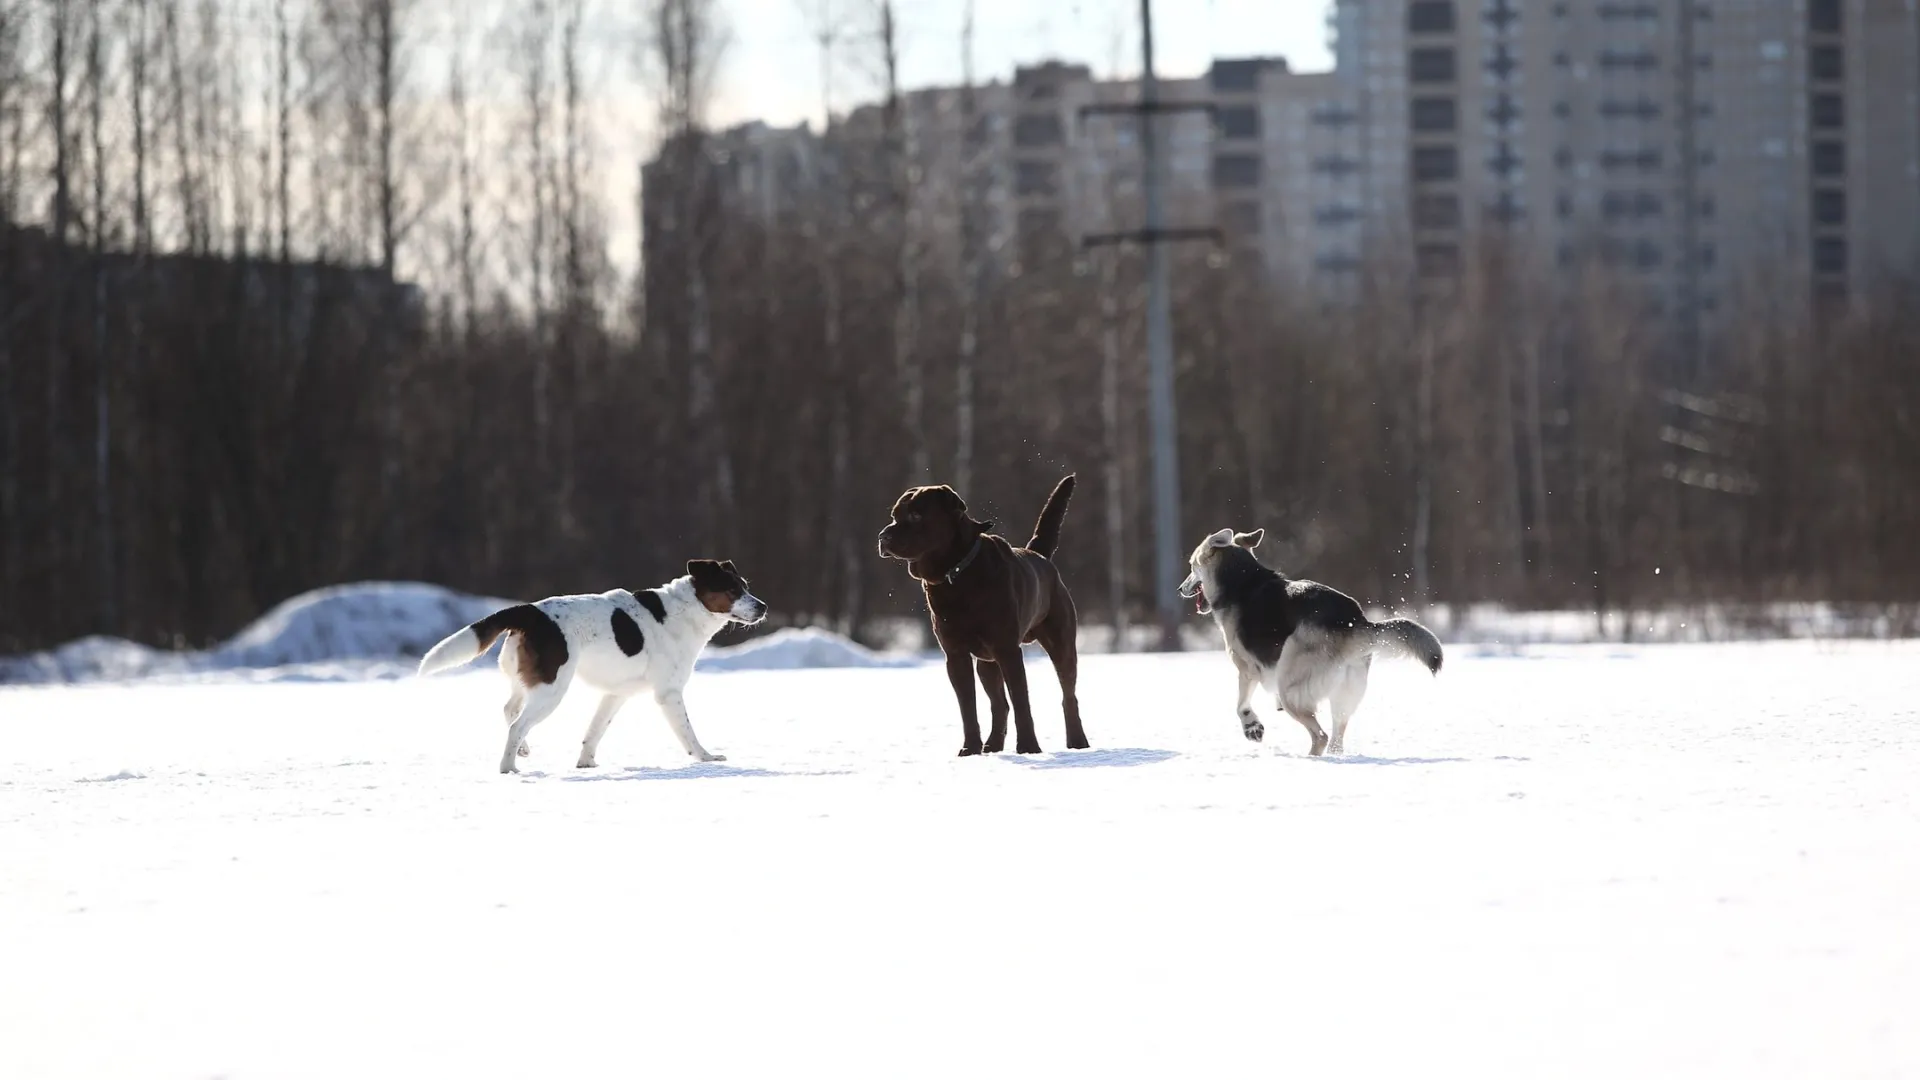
(1404, 637)
(468, 642)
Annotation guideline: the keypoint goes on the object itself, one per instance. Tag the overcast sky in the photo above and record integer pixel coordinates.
(772, 69)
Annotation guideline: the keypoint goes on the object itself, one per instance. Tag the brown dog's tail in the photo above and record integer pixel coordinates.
(1046, 533)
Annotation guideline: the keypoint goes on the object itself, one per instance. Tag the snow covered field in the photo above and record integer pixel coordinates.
(1574, 861)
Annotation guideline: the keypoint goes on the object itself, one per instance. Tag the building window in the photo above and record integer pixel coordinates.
(1436, 212)
(1629, 205)
(1647, 255)
(1642, 109)
(1434, 163)
(1036, 222)
(1430, 17)
(1336, 166)
(1630, 159)
(1823, 16)
(1435, 114)
(1830, 255)
(1238, 121)
(1040, 129)
(1241, 221)
(1826, 63)
(1430, 65)
(1612, 12)
(1503, 111)
(1829, 207)
(1036, 178)
(1335, 214)
(1620, 60)
(1236, 171)
(1236, 75)
(1438, 260)
(1828, 111)
(1829, 159)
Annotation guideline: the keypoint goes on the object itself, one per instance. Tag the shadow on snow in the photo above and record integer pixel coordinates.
(711, 770)
(1092, 759)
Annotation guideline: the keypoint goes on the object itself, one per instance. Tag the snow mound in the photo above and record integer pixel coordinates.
(374, 630)
(793, 649)
(123, 774)
(382, 620)
(91, 659)
(343, 632)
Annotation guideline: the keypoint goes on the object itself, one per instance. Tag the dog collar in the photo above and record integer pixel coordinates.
(965, 562)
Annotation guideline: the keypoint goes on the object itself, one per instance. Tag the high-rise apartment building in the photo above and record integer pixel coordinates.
(1704, 146)
(1700, 147)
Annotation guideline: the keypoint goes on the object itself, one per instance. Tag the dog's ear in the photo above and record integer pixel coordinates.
(1223, 538)
(953, 500)
(727, 565)
(1249, 540)
(694, 565)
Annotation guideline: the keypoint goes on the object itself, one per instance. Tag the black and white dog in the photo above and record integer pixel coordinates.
(618, 643)
(1303, 642)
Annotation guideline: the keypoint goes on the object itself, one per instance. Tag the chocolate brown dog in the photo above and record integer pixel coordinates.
(987, 597)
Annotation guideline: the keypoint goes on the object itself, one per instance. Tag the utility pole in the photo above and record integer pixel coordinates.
(1160, 411)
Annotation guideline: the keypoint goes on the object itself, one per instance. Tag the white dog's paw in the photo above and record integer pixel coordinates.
(1336, 748)
(586, 763)
(711, 757)
(1253, 729)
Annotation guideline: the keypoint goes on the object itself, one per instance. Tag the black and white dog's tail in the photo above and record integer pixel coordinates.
(1404, 637)
(468, 642)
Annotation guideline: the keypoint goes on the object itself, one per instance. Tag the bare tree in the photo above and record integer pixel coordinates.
(385, 31)
(684, 44)
(534, 45)
(283, 128)
(903, 170)
(464, 254)
(60, 27)
(13, 126)
(972, 265)
(97, 94)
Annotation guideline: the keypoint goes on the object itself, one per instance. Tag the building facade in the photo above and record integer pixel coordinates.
(1701, 146)
(1698, 147)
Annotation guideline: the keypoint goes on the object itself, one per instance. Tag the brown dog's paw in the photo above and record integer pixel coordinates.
(1079, 742)
(1028, 748)
(969, 750)
(995, 746)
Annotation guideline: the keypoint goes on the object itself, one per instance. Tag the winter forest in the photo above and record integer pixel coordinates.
(297, 292)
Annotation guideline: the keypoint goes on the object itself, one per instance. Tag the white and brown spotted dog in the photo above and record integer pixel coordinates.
(618, 643)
